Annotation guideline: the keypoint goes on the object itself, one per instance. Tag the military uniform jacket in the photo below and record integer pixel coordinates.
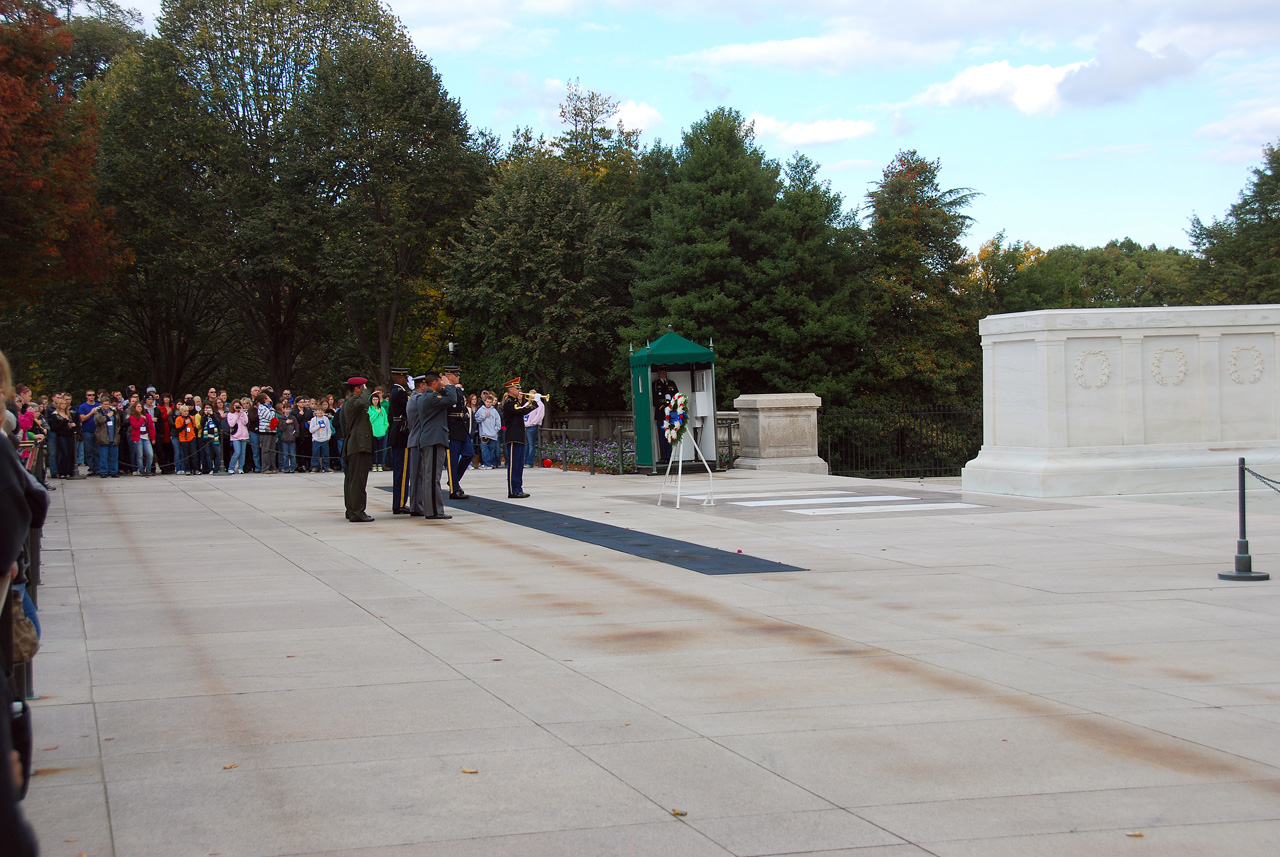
(398, 430)
(357, 431)
(662, 393)
(413, 420)
(513, 419)
(434, 407)
(461, 424)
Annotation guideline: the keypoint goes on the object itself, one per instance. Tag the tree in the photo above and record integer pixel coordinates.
(108, 32)
(607, 157)
(923, 316)
(172, 303)
(388, 169)
(51, 226)
(248, 64)
(533, 282)
(994, 272)
(1240, 254)
(709, 270)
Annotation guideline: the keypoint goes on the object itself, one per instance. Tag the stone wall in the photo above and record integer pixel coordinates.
(1118, 401)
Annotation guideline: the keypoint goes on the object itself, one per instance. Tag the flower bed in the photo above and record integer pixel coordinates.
(578, 453)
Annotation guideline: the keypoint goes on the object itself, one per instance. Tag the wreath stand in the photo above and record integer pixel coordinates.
(677, 458)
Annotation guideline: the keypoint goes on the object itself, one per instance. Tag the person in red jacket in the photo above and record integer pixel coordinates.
(142, 434)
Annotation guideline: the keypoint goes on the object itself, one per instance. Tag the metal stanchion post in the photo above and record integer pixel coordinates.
(1244, 562)
(591, 447)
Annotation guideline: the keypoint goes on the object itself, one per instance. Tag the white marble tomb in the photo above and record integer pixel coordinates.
(1126, 401)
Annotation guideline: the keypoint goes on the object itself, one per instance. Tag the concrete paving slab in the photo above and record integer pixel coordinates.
(702, 778)
(1027, 677)
(1097, 809)
(794, 832)
(1247, 839)
(659, 838)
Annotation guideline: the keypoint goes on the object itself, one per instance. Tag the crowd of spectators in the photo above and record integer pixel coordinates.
(110, 433)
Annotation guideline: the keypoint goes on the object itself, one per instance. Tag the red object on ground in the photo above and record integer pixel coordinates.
(546, 462)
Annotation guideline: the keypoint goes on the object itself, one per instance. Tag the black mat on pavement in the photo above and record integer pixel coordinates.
(699, 558)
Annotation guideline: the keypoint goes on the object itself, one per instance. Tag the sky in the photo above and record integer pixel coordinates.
(1077, 123)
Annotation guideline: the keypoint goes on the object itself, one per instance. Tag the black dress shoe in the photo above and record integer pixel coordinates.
(461, 495)
(360, 519)
(439, 517)
(519, 496)
(399, 511)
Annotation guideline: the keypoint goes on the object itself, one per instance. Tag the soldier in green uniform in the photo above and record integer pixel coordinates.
(357, 449)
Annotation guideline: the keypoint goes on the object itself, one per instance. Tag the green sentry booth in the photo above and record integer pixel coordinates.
(692, 367)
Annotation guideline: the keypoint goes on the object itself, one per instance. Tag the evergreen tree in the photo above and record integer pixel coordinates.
(534, 281)
(710, 270)
(923, 311)
(1240, 254)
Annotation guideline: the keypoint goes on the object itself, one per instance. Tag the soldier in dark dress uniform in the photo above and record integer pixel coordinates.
(398, 441)
(357, 450)
(461, 426)
(514, 407)
(663, 390)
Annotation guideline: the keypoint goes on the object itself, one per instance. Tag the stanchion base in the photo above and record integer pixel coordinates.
(1246, 575)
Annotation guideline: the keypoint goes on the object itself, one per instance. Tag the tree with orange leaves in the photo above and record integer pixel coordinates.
(51, 226)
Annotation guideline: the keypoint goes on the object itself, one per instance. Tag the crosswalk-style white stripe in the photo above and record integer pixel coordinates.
(732, 496)
(876, 498)
(903, 507)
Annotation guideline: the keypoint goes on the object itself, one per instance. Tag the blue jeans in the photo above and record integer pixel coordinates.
(90, 453)
(210, 456)
(288, 456)
(531, 444)
(143, 456)
(255, 452)
(187, 455)
(237, 456)
(380, 451)
(179, 461)
(320, 454)
(108, 460)
(490, 452)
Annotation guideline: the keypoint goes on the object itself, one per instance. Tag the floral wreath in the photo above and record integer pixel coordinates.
(677, 421)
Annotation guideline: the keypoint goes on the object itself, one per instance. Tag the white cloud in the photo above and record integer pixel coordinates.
(1029, 88)
(529, 99)
(641, 117)
(811, 133)
(460, 35)
(843, 48)
(1122, 68)
(1251, 125)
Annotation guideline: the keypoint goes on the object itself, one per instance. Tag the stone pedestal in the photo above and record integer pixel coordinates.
(1126, 401)
(779, 432)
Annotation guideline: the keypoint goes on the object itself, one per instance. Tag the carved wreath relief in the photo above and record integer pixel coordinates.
(1104, 369)
(1233, 364)
(1157, 370)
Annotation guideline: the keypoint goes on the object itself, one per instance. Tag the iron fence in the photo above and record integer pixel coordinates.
(934, 440)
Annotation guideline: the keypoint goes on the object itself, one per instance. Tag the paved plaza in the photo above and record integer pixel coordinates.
(230, 668)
